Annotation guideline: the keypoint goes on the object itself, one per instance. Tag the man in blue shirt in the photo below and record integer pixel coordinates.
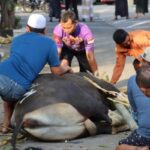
(29, 54)
(139, 97)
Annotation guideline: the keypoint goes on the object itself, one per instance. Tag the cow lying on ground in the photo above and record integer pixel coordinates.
(63, 108)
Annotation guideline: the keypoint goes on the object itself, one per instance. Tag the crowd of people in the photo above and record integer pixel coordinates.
(72, 38)
(55, 7)
(121, 8)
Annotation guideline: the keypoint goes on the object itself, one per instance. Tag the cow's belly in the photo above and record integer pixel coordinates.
(55, 122)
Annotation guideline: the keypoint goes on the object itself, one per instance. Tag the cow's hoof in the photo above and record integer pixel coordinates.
(121, 128)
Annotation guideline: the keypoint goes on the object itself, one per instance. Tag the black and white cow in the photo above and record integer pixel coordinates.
(63, 107)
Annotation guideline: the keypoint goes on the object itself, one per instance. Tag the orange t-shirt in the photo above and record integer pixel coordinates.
(140, 40)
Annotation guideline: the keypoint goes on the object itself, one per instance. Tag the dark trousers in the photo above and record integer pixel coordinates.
(73, 3)
(68, 54)
(54, 8)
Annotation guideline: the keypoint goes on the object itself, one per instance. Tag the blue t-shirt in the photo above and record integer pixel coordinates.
(141, 105)
(29, 53)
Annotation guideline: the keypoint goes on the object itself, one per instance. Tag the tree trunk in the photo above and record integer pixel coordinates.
(7, 15)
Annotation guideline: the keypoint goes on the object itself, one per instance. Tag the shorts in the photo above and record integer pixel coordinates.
(10, 91)
(135, 139)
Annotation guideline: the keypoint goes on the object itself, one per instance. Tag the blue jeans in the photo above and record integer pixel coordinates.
(10, 91)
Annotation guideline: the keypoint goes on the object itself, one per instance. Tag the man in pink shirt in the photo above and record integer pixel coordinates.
(75, 39)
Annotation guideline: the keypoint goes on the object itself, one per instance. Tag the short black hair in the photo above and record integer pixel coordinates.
(143, 77)
(119, 36)
(36, 30)
(65, 16)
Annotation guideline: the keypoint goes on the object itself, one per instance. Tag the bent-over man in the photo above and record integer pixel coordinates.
(128, 44)
(29, 54)
(75, 39)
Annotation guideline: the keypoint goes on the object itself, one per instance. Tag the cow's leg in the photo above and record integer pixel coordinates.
(103, 127)
(127, 116)
(118, 123)
(116, 118)
(90, 126)
(120, 128)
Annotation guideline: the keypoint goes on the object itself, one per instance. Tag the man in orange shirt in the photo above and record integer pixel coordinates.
(128, 44)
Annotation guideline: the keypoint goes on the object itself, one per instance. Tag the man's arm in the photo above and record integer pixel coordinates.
(59, 51)
(132, 95)
(89, 48)
(92, 61)
(119, 66)
(58, 41)
(60, 70)
(54, 62)
(58, 38)
(131, 91)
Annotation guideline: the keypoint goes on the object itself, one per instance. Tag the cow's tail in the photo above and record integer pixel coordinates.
(14, 136)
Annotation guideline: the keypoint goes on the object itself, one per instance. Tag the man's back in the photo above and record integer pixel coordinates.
(140, 104)
(133, 45)
(29, 53)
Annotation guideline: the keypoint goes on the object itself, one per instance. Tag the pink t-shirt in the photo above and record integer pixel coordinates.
(80, 39)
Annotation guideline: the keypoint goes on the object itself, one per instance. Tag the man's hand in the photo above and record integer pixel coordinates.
(60, 70)
(96, 74)
(68, 69)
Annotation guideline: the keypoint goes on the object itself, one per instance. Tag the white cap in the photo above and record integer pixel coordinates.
(146, 54)
(37, 21)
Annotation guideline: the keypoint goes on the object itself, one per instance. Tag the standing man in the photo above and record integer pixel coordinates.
(75, 39)
(73, 4)
(141, 7)
(128, 44)
(87, 10)
(29, 54)
(54, 9)
(121, 9)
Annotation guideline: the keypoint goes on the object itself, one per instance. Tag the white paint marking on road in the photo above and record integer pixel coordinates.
(118, 21)
(139, 23)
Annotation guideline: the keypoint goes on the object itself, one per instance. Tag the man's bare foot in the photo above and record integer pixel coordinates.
(142, 148)
(116, 18)
(5, 128)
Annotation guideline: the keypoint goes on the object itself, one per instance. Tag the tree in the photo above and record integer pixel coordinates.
(7, 17)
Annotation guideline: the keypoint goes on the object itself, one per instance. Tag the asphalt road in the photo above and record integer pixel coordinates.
(102, 28)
